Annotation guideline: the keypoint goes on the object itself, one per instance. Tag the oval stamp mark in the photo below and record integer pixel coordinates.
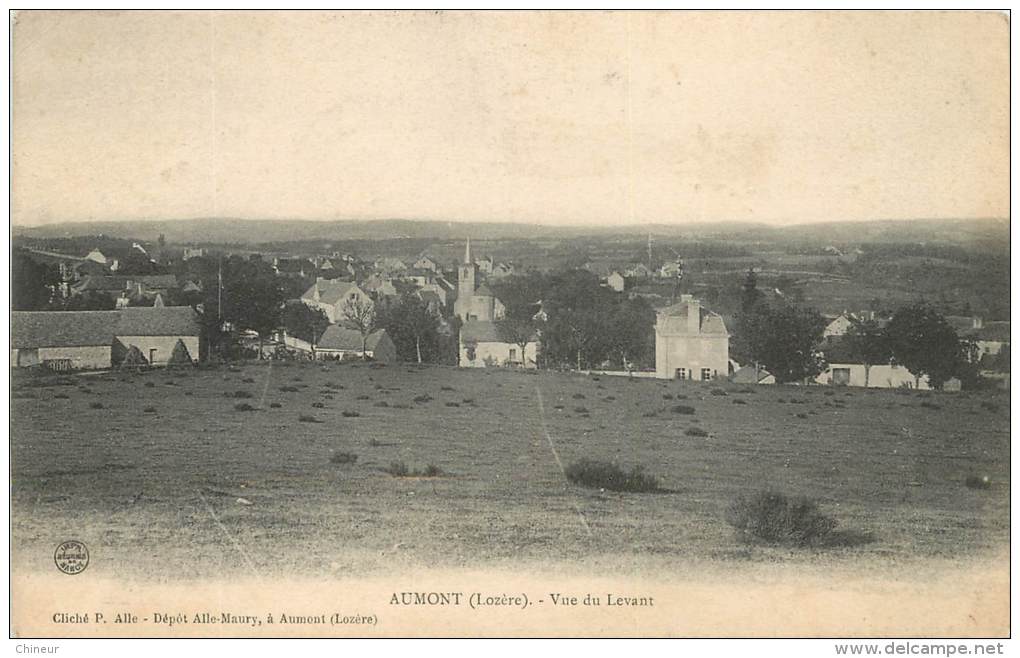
(71, 557)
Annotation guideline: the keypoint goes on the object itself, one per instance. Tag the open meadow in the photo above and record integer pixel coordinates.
(281, 470)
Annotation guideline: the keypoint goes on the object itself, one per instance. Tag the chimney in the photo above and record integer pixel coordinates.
(978, 322)
(693, 314)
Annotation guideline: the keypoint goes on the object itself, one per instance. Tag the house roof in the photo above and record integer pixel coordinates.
(994, 331)
(31, 329)
(115, 283)
(482, 331)
(749, 375)
(341, 338)
(710, 323)
(330, 291)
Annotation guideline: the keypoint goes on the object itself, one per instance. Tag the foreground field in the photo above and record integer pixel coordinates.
(164, 479)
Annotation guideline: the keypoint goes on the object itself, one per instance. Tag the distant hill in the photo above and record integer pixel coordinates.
(254, 231)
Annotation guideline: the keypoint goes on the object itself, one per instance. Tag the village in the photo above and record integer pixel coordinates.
(157, 305)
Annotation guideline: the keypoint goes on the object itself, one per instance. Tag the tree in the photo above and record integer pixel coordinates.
(631, 335)
(866, 341)
(252, 297)
(783, 338)
(303, 321)
(750, 295)
(518, 329)
(32, 283)
(359, 314)
(923, 342)
(413, 327)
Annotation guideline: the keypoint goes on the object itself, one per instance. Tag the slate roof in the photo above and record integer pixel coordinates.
(995, 330)
(341, 338)
(31, 329)
(711, 323)
(482, 331)
(116, 283)
(330, 292)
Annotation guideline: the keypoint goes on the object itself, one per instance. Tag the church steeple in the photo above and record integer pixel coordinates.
(467, 251)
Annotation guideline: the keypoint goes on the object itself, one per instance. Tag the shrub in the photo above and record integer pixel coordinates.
(61, 396)
(696, 431)
(432, 471)
(305, 418)
(275, 405)
(397, 470)
(976, 482)
(597, 474)
(610, 398)
(318, 405)
(243, 406)
(423, 398)
(667, 396)
(150, 385)
(349, 414)
(683, 409)
(801, 415)
(453, 404)
(149, 410)
(580, 410)
(248, 380)
(578, 396)
(243, 395)
(363, 397)
(446, 388)
(381, 403)
(343, 458)
(470, 401)
(772, 517)
(930, 405)
(719, 391)
(739, 401)
(829, 394)
(96, 405)
(289, 389)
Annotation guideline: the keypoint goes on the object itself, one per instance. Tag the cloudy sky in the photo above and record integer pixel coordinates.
(555, 118)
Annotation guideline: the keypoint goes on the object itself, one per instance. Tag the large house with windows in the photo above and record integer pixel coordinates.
(331, 295)
(691, 342)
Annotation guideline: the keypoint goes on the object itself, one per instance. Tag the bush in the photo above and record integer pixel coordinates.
(696, 431)
(243, 406)
(397, 470)
(289, 389)
(446, 388)
(578, 396)
(242, 395)
(683, 409)
(580, 410)
(318, 405)
(432, 471)
(453, 404)
(150, 385)
(930, 405)
(739, 401)
(801, 415)
(381, 403)
(343, 458)
(149, 410)
(275, 405)
(96, 405)
(349, 414)
(248, 380)
(305, 418)
(363, 397)
(423, 398)
(61, 396)
(772, 517)
(606, 475)
(976, 482)
(719, 391)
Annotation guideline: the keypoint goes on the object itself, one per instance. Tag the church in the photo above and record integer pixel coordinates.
(475, 303)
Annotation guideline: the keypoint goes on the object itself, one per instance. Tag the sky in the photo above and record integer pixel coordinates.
(602, 118)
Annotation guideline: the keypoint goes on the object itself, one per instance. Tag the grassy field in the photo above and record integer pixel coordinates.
(163, 479)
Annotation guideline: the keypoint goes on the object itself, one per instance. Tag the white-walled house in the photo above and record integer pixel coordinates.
(691, 342)
(481, 346)
(880, 376)
(332, 295)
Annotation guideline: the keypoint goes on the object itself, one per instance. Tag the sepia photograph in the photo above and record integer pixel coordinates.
(511, 324)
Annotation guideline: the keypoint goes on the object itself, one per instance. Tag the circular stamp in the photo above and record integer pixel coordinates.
(71, 557)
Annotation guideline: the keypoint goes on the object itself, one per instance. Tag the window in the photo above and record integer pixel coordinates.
(513, 355)
(152, 355)
(706, 374)
(681, 373)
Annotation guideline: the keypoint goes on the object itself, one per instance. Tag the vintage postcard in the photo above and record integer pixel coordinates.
(510, 324)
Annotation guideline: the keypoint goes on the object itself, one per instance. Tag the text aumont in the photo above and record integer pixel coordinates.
(517, 600)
